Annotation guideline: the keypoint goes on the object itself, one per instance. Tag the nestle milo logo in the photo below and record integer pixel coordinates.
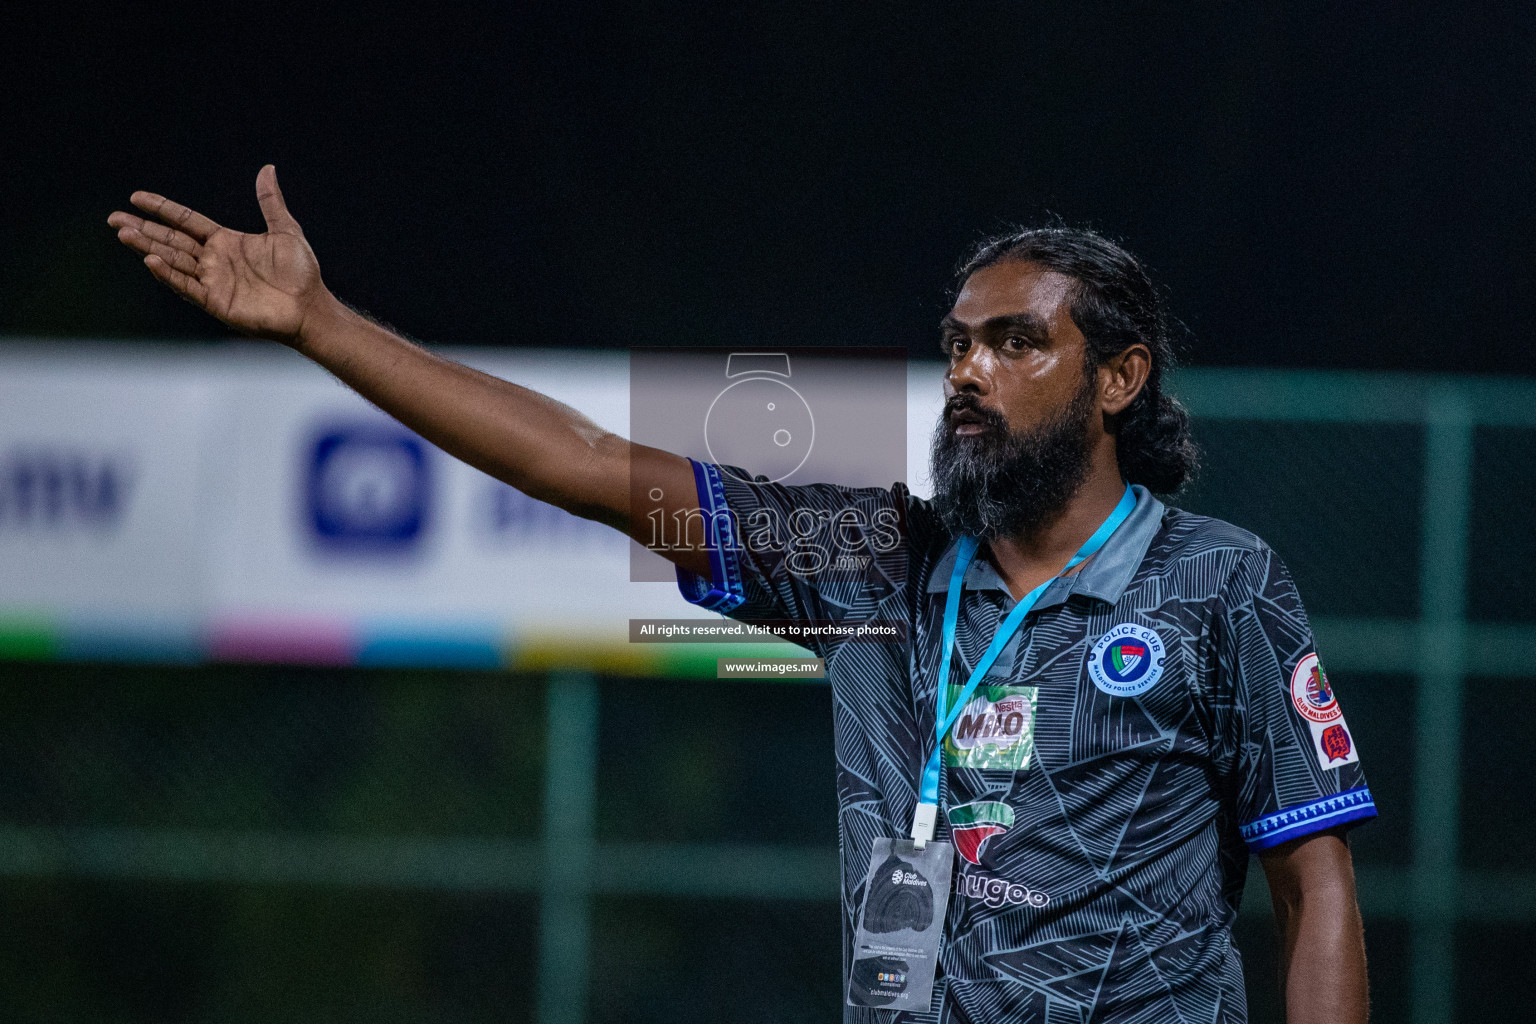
(995, 730)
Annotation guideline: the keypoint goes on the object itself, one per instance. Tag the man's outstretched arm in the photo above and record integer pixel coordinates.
(1322, 954)
(269, 285)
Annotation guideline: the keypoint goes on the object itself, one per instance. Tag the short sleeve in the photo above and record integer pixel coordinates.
(1295, 767)
(817, 555)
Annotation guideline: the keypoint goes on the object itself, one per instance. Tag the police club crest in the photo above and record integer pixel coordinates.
(1127, 660)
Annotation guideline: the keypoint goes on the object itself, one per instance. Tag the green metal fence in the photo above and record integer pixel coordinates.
(568, 867)
(1439, 649)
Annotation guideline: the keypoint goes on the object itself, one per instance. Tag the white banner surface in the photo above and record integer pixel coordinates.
(235, 502)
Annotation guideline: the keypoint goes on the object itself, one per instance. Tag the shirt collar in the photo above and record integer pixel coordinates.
(1104, 576)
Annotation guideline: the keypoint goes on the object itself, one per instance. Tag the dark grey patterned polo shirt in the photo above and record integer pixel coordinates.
(1161, 714)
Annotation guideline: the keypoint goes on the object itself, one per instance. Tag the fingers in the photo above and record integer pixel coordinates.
(273, 208)
(139, 233)
(177, 250)
(182, 284)
(172, 249)
(184, 262)
(190, 221)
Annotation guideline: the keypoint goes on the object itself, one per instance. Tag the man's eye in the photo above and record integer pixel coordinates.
(1016, 343)
(956, 346)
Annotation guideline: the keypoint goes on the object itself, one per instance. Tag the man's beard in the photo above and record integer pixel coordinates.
(1003, 483)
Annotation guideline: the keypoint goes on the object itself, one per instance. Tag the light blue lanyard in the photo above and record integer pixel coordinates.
(929, 793)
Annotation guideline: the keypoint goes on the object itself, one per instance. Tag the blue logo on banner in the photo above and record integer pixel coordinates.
(64, 489)
(368, 489)
(1127, 660)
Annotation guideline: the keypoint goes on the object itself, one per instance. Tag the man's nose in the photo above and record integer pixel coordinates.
(972, 371)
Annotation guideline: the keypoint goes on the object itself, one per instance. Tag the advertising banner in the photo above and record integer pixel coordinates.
(234, 502)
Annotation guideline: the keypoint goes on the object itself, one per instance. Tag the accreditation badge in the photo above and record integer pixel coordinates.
(901, 921)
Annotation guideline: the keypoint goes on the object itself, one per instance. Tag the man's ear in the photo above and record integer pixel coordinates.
(1121, 378)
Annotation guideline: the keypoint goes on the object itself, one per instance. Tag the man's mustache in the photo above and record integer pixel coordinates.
(974, 412)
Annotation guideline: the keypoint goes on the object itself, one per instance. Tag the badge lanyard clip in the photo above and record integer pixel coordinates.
(926, 818)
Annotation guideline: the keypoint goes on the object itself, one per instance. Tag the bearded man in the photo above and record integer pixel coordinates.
(1104, 703)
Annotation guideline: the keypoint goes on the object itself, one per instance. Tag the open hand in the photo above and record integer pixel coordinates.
(258, 284)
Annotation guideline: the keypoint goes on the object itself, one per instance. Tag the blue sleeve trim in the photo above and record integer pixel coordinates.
(724, 592)
(1304, 819)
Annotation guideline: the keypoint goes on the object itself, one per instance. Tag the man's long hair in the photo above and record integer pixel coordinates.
(1114, 305)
